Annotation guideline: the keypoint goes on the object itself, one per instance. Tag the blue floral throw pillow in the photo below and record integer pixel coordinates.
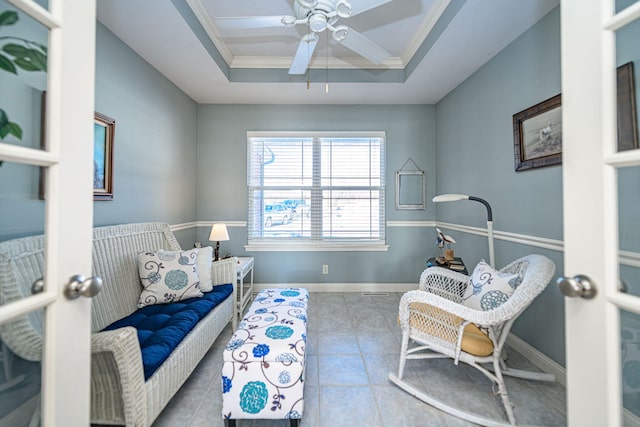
(488, 288)
(168, 276)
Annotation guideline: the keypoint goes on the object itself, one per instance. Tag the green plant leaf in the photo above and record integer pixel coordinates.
(26, 58)
(14, 129)
(8, 17)
(3, 118)
(7, 65)
(16, 50)
(38, 59)
(25, 64)
(4, 131)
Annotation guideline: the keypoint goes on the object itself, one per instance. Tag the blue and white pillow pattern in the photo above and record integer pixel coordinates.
(168, 276)
(489, 288)
(263, 369)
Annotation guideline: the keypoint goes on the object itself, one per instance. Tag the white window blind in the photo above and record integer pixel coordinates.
(316, 188)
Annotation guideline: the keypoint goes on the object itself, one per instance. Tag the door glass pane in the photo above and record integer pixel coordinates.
(21, 214)
(623, 4)
(629, 225)
(630, 341)
(21, 264)
(628, 74)
(20, 370)
(23, 76)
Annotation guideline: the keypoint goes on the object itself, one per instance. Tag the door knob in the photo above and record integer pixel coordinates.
(578, 286)
(78, 285)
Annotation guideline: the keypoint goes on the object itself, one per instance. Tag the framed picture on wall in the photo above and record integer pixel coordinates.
(103, 131)
(627, 124)
(537, 135)
(103, 136)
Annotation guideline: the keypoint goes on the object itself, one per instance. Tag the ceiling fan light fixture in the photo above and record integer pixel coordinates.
(318, 22)
(343, 9)
(340, 32)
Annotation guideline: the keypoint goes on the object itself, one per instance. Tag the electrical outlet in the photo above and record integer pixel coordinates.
(325, 269)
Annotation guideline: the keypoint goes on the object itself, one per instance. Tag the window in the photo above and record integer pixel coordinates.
(316, 190)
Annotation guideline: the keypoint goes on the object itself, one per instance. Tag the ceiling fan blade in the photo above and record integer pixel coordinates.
(364, 46)
(246, 22)
(304, 53)
(359, 6)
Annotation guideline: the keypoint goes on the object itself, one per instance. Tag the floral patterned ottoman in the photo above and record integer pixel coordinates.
(264, 362)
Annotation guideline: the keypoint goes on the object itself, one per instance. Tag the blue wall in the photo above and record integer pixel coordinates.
(154, 147)
(21, 210)
(177, 162)
(155, 140)
(476, 156)
(222, 190)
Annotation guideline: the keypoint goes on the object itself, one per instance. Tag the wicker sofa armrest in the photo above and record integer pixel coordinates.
(117, 378)
(224, 271)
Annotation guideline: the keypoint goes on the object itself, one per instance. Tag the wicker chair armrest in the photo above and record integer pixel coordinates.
(466, 314)
(444, 282)
(117, 377)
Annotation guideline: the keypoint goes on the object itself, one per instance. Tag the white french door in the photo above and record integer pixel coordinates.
(69, 26)
(601, 188)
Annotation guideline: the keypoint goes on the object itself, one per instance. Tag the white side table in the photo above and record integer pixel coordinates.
(245, 291)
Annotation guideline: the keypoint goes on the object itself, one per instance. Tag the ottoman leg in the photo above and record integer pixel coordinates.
(230, 423)
(293, 422)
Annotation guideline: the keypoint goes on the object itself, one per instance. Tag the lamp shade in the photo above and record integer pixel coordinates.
(219, 233)
(449, 198)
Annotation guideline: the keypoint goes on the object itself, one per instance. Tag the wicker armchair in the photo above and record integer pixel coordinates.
(434, 318)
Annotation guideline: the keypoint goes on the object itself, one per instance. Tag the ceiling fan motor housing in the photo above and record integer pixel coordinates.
(321, 13)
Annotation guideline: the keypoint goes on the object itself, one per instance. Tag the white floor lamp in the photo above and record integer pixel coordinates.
(458, 197)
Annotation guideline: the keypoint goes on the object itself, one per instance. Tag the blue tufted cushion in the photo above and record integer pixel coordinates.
(162, 327)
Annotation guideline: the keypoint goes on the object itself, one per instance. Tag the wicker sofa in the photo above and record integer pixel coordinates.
(120, 395)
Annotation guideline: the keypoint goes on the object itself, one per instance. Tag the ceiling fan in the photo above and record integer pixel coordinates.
(318, 15)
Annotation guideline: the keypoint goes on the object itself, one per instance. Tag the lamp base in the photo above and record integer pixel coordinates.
(216, 252)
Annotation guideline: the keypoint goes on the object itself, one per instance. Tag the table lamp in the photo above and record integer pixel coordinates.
(458, 197)
(218, 234)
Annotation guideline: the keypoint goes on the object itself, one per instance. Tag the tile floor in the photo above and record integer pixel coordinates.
(353, 344)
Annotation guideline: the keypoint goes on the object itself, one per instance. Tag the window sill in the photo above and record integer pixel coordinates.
(315, 247)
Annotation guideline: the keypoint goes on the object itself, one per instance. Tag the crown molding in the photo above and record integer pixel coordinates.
(200, 11)
(259, 62)
(436, 11)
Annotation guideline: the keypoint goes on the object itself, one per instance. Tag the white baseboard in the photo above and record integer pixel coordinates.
(342, 287)
(539, 360)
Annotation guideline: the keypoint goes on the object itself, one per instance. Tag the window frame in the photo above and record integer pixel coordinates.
(300, 244)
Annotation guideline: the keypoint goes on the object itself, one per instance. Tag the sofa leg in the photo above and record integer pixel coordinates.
(293, 422)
